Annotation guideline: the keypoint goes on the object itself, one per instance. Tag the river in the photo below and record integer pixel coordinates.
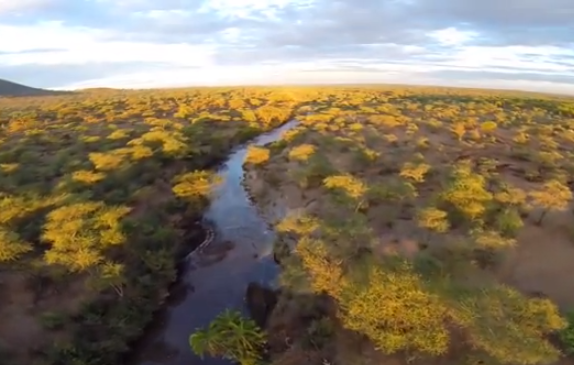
(217, 278)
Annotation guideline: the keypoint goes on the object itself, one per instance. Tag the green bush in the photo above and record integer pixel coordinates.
(230, 336)
(567, 334)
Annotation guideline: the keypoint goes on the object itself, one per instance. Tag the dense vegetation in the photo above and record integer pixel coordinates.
(424, 226)
(98, 195)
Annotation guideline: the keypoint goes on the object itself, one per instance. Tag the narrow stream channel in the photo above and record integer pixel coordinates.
(216, 278)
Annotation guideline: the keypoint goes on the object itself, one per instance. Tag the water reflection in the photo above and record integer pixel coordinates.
(218, 276)
(161, 353)
(214, 253)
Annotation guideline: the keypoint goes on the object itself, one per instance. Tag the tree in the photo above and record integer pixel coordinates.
(350, 187)
(491, 240)
(194, 185)
(467, 192)
(395, 311)
(230, 336)
(552, 196)
(257, 155)
(433, 219)
(302, 152)
(79, 233)
(415, 172)
(109, 274)
(459, 130)
(11, 246)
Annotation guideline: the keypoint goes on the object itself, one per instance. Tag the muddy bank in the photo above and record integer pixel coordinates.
(275, 195)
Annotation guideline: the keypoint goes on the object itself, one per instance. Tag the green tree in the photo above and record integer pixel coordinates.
(109, 275)
(230, 336)
(467, 192)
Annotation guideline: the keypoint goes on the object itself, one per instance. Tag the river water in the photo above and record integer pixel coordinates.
(215, 279)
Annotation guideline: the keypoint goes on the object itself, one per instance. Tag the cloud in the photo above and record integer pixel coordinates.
(144, 43)
(16, 7)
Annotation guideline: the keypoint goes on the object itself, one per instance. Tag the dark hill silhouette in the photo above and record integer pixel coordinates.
(8, 88)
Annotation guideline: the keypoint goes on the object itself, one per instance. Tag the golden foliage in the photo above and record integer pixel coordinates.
(256, 155)
(11, 246)
(433, 219)
(87, 176)
(415, 172)
(106, 161)
(488, 126)
(194, 184)
(553, 195)
(118, 134)
(459, 130)
(324, 274)
(299, 224)
(492, 240)
(349, 184)
(395, 311)
(511, 196)
(78, 233)
(8, 167)
(467, 191)
(302, 152)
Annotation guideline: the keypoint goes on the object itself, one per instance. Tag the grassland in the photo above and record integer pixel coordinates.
(99, 191)
(426, 226)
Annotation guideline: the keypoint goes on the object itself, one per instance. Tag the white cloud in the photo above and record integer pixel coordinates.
(519, 58)
(452, 36)
(117, 52)
(18, 6)
(52, 34)
(164, 14)
(516, 84)
(54, 44)
(267, 9)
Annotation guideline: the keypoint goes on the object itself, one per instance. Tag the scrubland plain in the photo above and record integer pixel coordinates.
(424, 225)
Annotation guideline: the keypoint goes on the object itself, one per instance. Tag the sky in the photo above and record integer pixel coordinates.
(72, 44)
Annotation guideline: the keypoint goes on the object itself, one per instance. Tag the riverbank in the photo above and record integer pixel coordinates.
(216, 277)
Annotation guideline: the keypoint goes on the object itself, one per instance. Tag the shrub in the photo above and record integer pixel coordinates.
(567, 334)
(230, 336)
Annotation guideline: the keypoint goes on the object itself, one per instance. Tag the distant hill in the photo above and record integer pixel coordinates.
(8, 88)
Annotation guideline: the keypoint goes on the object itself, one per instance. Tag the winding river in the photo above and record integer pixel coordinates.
(215, 278)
